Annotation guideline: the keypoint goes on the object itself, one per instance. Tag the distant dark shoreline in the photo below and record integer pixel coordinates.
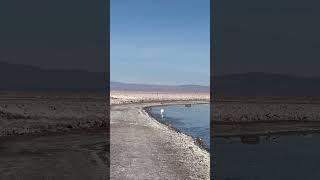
(118, 86)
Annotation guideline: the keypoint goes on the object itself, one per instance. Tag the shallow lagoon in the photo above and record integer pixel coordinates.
(193, 120)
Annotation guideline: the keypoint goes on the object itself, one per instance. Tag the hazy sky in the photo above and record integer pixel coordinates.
(160, 41)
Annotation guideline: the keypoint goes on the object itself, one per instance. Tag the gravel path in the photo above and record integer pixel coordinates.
(142, 148)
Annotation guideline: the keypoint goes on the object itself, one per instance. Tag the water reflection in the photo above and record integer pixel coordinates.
(267, 157)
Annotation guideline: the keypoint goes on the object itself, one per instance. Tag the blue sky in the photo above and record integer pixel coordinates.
(160, 41)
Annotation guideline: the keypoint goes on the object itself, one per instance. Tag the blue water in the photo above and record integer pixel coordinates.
(194, 120)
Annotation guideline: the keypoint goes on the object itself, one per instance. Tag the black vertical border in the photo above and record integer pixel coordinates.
(216, 37)
(212, 59)
(105, 45)
(104, 49)
(107, 58)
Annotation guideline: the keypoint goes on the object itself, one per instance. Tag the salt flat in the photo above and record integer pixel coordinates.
(61, 136)
(26, 114)
(143, 148)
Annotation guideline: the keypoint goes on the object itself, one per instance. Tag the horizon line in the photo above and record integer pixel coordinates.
(134, 83)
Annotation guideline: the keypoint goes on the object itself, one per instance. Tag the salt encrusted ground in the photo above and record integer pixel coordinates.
(124, 97)
(53, 136)
(265, 116)
(32, 114)
(143, 148)
(140, 146)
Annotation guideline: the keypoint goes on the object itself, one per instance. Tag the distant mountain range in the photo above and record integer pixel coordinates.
(149, 87)
(28, 78)
(244, 84)
(265, 84)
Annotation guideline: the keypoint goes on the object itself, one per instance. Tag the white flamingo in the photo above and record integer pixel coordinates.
(162, 113)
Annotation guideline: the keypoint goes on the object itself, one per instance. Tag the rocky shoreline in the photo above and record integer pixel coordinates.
(197, 140)
(143, 141)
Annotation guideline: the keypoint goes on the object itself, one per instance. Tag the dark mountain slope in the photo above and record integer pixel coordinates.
(28, 78)
(265, 84)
